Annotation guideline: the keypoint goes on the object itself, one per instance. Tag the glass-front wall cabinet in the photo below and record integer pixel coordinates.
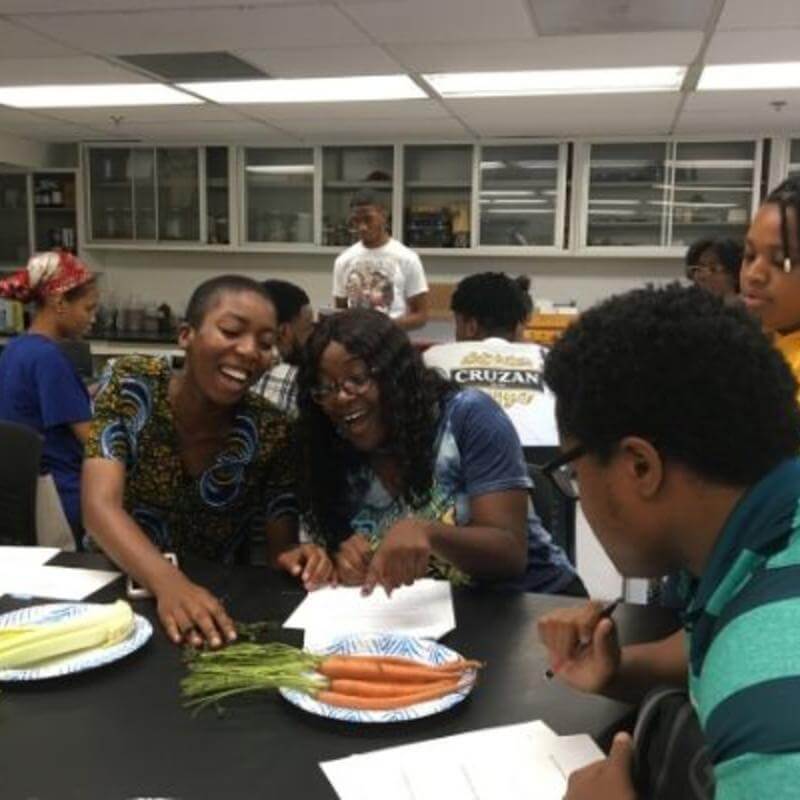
(279, 192)
(628, 195)
(713, 190)
(519, 195)
(14, 235)
(794, 158)
(217, 195)
(144, 194)
(438, 194)
(346, 171)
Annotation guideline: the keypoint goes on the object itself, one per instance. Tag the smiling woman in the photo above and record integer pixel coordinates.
(192, 461)
(405, 475)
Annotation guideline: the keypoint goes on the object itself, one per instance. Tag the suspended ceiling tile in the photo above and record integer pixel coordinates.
(320, 130)
(733, 122)
(760, 46)
(201, 132)
(239, 28)
(558, 17)
(30, 71)
(439, 21)
(753, 106)
(80, 6)
(568, 116)
(411, 110)
(131, 114)
(17, 42)
(322, 62)
(749, 15)
(561, 52)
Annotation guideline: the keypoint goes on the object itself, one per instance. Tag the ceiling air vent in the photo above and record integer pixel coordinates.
(180, 67)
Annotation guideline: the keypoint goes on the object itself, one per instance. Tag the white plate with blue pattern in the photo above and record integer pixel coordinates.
(73, 662)
(387, 644)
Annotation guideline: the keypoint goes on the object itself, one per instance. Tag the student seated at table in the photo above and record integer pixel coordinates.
(680, 431)
(713, 265)
(39, 387)
(770, 274)
(191, 461)
(490, 311)
(406, 475)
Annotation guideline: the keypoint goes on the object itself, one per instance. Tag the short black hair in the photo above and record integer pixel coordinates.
(677, 366)
(206, 294)
(366, 197)
(787, 196)
(288, 298)
(728, 251)
(496, 301)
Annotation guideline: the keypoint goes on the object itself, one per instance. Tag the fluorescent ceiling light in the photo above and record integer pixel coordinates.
(309, 90)
(719, 77)
(557, 81)
(281, 169)
(110, 95)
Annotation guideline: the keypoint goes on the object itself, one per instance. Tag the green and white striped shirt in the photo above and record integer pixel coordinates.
(743, 625)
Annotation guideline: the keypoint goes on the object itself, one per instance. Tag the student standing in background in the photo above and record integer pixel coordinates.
(39, 387)
(378, 271)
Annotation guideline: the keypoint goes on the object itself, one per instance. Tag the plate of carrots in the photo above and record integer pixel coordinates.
(385, 678)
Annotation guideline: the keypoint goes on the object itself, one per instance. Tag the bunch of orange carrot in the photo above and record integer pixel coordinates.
(366, 682)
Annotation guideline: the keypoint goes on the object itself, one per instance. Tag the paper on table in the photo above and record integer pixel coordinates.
(574, 752)
(440, 768)
(26, 556)
(424, 609)
(60, 583)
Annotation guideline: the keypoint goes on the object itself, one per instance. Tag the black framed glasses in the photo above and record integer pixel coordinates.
(355, 385)
(561, 473)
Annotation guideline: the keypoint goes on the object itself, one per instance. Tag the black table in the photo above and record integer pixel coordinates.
(120, 731)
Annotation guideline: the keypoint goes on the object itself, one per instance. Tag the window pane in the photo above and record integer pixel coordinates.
(437, 196)
(518, 195)
(280, 195)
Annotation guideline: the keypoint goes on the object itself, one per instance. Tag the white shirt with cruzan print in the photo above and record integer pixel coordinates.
(379, 277)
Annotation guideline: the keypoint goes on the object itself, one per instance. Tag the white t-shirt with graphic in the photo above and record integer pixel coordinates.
(511, 372)
(380, 277)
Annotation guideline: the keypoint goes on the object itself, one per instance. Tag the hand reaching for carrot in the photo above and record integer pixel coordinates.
(401, 558)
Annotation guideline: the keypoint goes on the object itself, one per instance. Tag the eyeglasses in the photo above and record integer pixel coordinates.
(561, 473)
(355, 385)
(703, 269)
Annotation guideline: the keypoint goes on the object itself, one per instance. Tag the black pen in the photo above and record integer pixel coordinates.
(605, 612)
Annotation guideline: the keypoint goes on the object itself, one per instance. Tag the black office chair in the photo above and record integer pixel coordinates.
(556, 511)
(21, 449)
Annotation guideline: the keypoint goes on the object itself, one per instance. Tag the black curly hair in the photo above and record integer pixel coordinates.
(494, 300)
(678, 367)
(787, 197)
(410, 398)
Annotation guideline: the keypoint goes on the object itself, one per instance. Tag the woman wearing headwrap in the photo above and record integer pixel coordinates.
(39, 387)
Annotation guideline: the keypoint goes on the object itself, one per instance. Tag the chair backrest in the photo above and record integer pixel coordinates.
(556, 511)
(20, 456)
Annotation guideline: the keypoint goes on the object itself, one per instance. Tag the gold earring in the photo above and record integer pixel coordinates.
(787, 264)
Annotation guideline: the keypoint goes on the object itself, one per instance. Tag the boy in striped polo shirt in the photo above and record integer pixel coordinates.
(679, 428)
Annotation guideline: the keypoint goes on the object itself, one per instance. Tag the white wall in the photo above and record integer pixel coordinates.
(171, 276)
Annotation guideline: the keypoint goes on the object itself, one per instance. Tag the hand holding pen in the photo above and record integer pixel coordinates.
(582, 645)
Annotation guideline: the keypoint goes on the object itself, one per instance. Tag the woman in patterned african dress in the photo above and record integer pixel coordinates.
(192, 461)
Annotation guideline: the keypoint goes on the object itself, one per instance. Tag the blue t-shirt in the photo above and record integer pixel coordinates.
(477, 452)
(41, 389)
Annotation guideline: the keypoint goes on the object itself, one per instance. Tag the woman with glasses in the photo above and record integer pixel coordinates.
(713, 265)
(406, 476)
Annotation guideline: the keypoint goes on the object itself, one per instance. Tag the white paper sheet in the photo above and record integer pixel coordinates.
(58, 583)
(424, 609)
(26, 556)
(512, 762)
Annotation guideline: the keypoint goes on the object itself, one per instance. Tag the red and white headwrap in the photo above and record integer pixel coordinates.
(47, 274)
